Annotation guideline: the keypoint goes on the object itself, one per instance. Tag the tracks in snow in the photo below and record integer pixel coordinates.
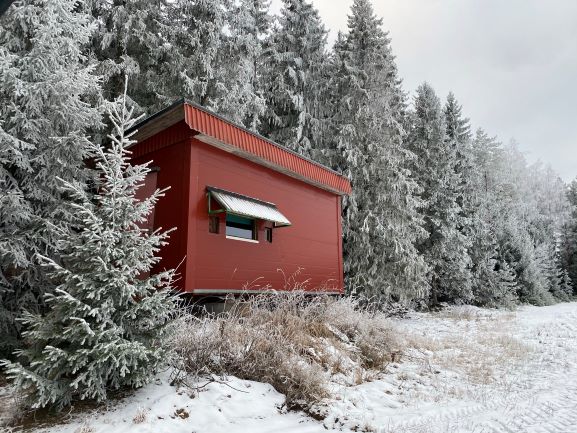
(542, 398)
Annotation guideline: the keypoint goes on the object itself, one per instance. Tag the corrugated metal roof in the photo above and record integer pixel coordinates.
(217, 130)
(220, 132)
(248, 206)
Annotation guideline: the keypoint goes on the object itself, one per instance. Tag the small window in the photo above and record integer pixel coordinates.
(213, 223)
(240, 227)
(268, 232)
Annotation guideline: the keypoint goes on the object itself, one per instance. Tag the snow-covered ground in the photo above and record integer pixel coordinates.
(484, 372)
(465, 370)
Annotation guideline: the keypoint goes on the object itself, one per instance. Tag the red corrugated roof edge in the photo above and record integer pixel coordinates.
(217, 130)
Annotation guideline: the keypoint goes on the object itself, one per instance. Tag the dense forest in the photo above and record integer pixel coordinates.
(439, 213)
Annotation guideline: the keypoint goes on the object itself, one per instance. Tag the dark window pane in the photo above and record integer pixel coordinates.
(268, 234)
(239, 227)
(238, 232)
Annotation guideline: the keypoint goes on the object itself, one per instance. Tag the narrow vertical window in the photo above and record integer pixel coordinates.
(145, 191)
(268, 232)
(213, 222)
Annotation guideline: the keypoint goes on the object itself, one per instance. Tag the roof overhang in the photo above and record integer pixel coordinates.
(158, 122)
(219, 132)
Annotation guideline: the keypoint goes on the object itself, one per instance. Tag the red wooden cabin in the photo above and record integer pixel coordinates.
(249, 214)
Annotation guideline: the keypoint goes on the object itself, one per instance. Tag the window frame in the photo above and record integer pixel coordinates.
(257, 222)
(253, 224)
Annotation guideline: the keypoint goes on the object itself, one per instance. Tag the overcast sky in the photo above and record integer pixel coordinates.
(512, 64)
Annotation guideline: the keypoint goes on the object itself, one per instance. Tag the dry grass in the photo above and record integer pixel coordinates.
(24, 419)
(480, 347)
(464, 312)
(11, 406)
(140, 416)
(85, 428)
(294, 342)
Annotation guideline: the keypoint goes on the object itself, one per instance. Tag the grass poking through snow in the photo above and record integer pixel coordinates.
(296, 343)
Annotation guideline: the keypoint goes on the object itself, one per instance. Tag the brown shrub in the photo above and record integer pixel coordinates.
(289, 340)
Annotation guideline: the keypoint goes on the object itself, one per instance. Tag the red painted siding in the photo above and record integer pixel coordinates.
(173, 134)
(171, 210)
(309, 250)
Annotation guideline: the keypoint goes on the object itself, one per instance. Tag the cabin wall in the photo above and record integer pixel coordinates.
(169, 150)
(308, 253)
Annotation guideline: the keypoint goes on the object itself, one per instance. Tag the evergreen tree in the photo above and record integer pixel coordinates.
(445, 249)
(45, 83)
(493, 280)
(533, 287)
(294, 80)
(206, 51)
(128, 41)
(569, 237)
(194, 31)
(532, 208)
(462, 183)
(566, 285)
(457, 128)
(458, 137)
(380, 220)
(548, 262)
(106, 319)
(208, 56)
(243, 61)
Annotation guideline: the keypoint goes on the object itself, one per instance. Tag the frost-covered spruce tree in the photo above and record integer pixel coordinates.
(45, 82)
(533, 287)
(106, 317)
(128, 41)
(295, 78)
(569, 236)
(549, 267)
(205, 56)
(566, 284)
(380, 220)
(445, 249)
(206, 51)
(549, 211)
(493, 280)
(458, 137)
(242, 61)
(462, 178)
(550, 264)
(531, 204)
(194, 30)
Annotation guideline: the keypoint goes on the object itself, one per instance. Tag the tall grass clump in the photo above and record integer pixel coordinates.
(295, 342)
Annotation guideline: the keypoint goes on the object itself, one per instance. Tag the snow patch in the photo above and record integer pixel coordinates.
(469, 370)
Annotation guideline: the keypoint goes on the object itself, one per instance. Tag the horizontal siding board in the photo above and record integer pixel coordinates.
(169, 136)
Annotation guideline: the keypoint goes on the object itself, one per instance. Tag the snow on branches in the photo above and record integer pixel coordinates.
(107, 317)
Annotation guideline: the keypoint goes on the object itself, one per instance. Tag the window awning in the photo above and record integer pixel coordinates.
(248, 206)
